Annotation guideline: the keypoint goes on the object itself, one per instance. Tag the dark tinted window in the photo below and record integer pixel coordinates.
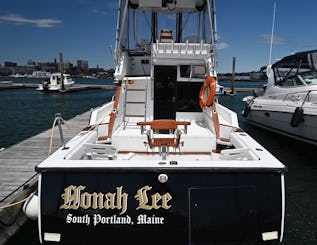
(188, 96)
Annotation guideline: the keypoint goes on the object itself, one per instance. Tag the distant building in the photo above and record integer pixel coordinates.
(30, 63)
(47, 66)
(68, 65)
(21, 70)
(258, 75)
(82, 65)
(30, 66)
(10, 64)
(33, 68)
(5, 71)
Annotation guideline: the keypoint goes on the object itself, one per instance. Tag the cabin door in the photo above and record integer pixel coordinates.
(165, 92)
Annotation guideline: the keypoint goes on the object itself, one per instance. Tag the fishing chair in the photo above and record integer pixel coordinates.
(164, 133)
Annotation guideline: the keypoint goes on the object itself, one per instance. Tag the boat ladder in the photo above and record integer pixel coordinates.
(135, 102)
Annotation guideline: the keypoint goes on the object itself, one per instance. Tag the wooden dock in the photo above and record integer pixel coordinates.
(17, 175)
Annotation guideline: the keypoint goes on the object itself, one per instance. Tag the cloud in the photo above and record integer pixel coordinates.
(102, 12)
(277, 40)
(42, 23)
(222, 45)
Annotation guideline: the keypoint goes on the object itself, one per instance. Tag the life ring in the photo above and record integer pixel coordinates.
(206, 100)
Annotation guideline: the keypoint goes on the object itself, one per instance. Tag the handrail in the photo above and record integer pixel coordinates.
(181, 49)
(299, 92)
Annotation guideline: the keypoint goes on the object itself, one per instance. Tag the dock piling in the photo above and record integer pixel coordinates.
(233, 75)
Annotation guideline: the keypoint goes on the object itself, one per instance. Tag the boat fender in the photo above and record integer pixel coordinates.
(297, 117)
(30, 207)
(133, 4)
(207, 93)
(45, 85)
(246, 110)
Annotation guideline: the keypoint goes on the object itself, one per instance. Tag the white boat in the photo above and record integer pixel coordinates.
(288, 103)
(40, 74)
(55, 83)
(163, 162)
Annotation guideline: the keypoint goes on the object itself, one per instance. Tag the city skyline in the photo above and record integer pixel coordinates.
(83, 29)
(54, 60)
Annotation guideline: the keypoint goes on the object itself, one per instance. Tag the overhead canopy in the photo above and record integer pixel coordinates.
(172, 6)
(307, 59)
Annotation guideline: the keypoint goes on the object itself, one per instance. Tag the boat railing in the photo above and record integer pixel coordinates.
(302, 96)
(181, 50)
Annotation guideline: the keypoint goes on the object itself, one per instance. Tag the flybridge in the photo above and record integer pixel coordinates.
(168, 5)
(143, 22)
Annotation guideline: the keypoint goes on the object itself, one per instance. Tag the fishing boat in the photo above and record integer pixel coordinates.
(163, 162)
(287, 104)
(56, 82)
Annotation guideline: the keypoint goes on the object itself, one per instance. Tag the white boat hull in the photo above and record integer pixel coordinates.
(55, 87)
(287, 104)
(280, 122)
(54, 83)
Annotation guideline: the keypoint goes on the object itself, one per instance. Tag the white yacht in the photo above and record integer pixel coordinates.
(40, 74)
(163, 162)
(56, 82)
(287, 104)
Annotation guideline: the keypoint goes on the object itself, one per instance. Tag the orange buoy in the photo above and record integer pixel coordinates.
(207, 93)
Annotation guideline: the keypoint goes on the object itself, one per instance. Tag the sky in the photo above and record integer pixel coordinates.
(85, 30)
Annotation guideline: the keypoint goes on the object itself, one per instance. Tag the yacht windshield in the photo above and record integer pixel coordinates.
(296, 70)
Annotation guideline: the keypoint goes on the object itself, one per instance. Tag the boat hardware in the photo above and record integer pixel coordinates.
(60, 122)
(298, 115)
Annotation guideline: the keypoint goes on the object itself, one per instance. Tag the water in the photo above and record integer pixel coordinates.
(26, 112)
(300, 179)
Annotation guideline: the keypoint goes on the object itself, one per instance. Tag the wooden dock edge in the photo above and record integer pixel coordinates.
(13, 218)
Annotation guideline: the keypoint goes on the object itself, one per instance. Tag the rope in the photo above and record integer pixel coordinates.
(16, 203)
(24, 184)
(11, 205)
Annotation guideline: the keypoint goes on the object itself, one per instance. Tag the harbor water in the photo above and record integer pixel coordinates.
(27, 112)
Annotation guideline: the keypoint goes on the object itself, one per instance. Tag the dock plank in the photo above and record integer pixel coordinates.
(17, 163)
(17, 170)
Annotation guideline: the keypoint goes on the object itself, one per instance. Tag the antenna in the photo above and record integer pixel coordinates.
(272, 34)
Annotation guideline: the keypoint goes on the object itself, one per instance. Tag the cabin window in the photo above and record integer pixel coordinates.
(296, 70)
(192, 71)
(139, 31)
(188, 97)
